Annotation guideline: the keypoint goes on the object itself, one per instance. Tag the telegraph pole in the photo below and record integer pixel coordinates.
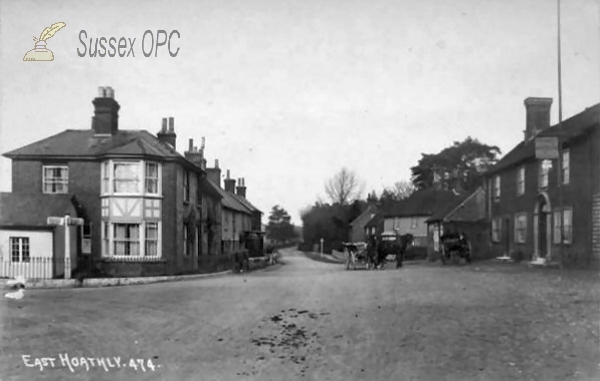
(560, 141)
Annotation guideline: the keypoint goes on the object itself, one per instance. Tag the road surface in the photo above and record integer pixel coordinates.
(307, 320)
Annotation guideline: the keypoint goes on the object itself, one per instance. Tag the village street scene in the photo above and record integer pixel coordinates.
(300, 191)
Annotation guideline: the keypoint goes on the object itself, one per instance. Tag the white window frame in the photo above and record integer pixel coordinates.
(151, 240)
(108, 179)
(521, 181)
(544, 173)
(22, 246)
(53, 181)
(567, 225)
(108, 241)
(148, 179)
(186, 185)
(520, 227)
(557, 226)
(496, 229)
(566, 166)
(496, 188)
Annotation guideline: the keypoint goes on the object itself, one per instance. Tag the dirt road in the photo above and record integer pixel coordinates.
(306, 320)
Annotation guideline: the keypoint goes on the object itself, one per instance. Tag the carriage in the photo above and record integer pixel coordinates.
(356, 253)
(455, 246)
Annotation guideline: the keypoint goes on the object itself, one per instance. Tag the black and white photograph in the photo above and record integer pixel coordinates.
(279, 190)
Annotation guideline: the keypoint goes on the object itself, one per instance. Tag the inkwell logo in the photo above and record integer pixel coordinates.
(40, 52)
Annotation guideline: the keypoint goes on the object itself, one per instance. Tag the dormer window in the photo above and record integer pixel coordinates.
(55, 179)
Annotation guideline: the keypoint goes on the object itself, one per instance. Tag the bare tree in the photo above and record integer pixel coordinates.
(344, 187)
(403, 189)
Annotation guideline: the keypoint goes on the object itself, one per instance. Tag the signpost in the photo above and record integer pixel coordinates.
(546, 148)
(321, 247)
(66, 221)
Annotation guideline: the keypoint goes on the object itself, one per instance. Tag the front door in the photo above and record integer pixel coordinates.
(542, 232)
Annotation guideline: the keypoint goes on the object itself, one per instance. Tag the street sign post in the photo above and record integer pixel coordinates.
(546, 148)
(66, 221)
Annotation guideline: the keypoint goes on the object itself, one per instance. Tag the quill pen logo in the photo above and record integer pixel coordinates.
(40, 52)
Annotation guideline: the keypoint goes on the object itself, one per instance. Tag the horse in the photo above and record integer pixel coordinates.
(455, 243)
(402, 243)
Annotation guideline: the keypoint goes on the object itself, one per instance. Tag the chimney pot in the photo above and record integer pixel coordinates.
(191, 144)
(216, 163)
(100, 92)
(171, 124)
(203, 143)
(164, 125)
(110, 93)
(228, 174)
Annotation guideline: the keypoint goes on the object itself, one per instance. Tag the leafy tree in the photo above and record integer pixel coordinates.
(344, 187)
(457, 167)
(280, 228)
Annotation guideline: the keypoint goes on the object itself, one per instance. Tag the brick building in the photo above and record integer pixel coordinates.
(522, 192)
(141, 200)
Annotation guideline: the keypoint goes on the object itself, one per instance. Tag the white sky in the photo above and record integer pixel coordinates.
(287, 92)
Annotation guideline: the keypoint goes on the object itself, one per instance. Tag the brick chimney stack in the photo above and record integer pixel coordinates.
(106, 112)
(194, 155)
(538, 116)
(229, 183)
(214, 174)
(241, 188)
(167, 134)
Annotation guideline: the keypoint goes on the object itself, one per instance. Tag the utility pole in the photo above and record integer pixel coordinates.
(560, 149)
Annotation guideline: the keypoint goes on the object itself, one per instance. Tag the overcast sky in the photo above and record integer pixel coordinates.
(287, 92)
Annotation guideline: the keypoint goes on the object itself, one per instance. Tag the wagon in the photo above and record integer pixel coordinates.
(355, 253)
(455, 246)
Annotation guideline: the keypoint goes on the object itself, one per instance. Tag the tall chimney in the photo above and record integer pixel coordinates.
(168, 135)
(241, 188)
(193, 155)
(106, 112)
(538, 115)
(229, 183)
(214, 174)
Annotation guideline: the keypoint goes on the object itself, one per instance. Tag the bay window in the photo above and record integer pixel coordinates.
(131, 240)
(130, 177)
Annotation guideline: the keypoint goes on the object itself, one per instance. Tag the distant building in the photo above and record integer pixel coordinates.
(522, 192)
(410, 215)
(357, 226)
(464, 215)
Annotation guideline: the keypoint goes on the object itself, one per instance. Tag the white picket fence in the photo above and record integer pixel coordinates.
(33, 268)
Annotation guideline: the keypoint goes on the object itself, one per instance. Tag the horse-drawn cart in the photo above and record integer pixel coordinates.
(455, 247)
(355, 253)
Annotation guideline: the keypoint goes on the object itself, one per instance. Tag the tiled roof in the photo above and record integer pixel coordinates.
(229, 200)
(84, 143)
(371, 209)
(32, 210)
(375, 221)
(421, 203)
(445, 210)
(573, 127)
(246, 203)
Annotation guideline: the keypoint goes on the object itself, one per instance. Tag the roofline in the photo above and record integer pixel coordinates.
(182, 160)
(27, 227)
(479, 189)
